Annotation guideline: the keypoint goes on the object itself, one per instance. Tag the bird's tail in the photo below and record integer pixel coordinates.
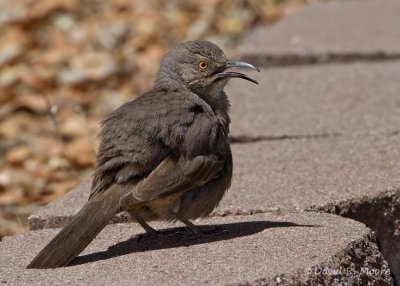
(83, 228)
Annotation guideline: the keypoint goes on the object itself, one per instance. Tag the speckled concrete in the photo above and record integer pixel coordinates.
(317, 101)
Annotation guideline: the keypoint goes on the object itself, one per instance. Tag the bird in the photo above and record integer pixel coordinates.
(162, 156)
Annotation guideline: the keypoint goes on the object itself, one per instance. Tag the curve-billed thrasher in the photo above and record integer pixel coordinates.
(165, 155)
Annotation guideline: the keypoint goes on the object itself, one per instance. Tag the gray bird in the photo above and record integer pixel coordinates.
(163, 156)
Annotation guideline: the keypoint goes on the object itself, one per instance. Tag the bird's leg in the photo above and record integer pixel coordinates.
(195, 229)
(145, 225)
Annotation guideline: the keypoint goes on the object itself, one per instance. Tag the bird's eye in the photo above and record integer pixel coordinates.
(202, 65)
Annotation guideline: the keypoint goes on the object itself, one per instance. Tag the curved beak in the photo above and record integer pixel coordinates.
(237, 64)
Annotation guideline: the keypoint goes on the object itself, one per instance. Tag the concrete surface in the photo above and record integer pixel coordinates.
(297, 174)
(289, 248)
(332, 31)
(331, 100)
(285, 175)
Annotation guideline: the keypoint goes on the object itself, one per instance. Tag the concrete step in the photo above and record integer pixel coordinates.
(279, 249)
(285, 175)
(332, 31)
(327, 100)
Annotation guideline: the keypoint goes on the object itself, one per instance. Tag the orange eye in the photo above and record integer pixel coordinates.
(202, 65)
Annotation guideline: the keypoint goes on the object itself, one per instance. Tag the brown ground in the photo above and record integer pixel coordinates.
(65, 64)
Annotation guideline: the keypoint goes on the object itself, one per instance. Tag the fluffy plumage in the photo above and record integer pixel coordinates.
(165, 155)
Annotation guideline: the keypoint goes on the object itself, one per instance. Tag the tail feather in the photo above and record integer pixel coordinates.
(83, 228)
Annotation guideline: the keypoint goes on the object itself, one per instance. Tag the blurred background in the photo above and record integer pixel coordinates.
(64, 65)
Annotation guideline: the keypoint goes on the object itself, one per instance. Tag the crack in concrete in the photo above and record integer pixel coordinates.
(244, 139)
(248, 139)
(289, 60)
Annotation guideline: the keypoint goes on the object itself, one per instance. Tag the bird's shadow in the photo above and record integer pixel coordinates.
(180, 236)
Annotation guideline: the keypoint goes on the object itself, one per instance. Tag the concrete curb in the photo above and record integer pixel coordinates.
(279, 249)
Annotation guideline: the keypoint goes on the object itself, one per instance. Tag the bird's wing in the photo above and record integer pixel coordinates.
(172, 176)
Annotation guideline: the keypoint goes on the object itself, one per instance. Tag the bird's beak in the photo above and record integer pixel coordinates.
(237, 64)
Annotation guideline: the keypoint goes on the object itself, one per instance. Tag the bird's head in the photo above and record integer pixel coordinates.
(200, 66)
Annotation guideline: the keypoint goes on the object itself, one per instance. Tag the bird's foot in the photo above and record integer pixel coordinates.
(176, 233)
(197, 231)
(146, 235)
(215, 230)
